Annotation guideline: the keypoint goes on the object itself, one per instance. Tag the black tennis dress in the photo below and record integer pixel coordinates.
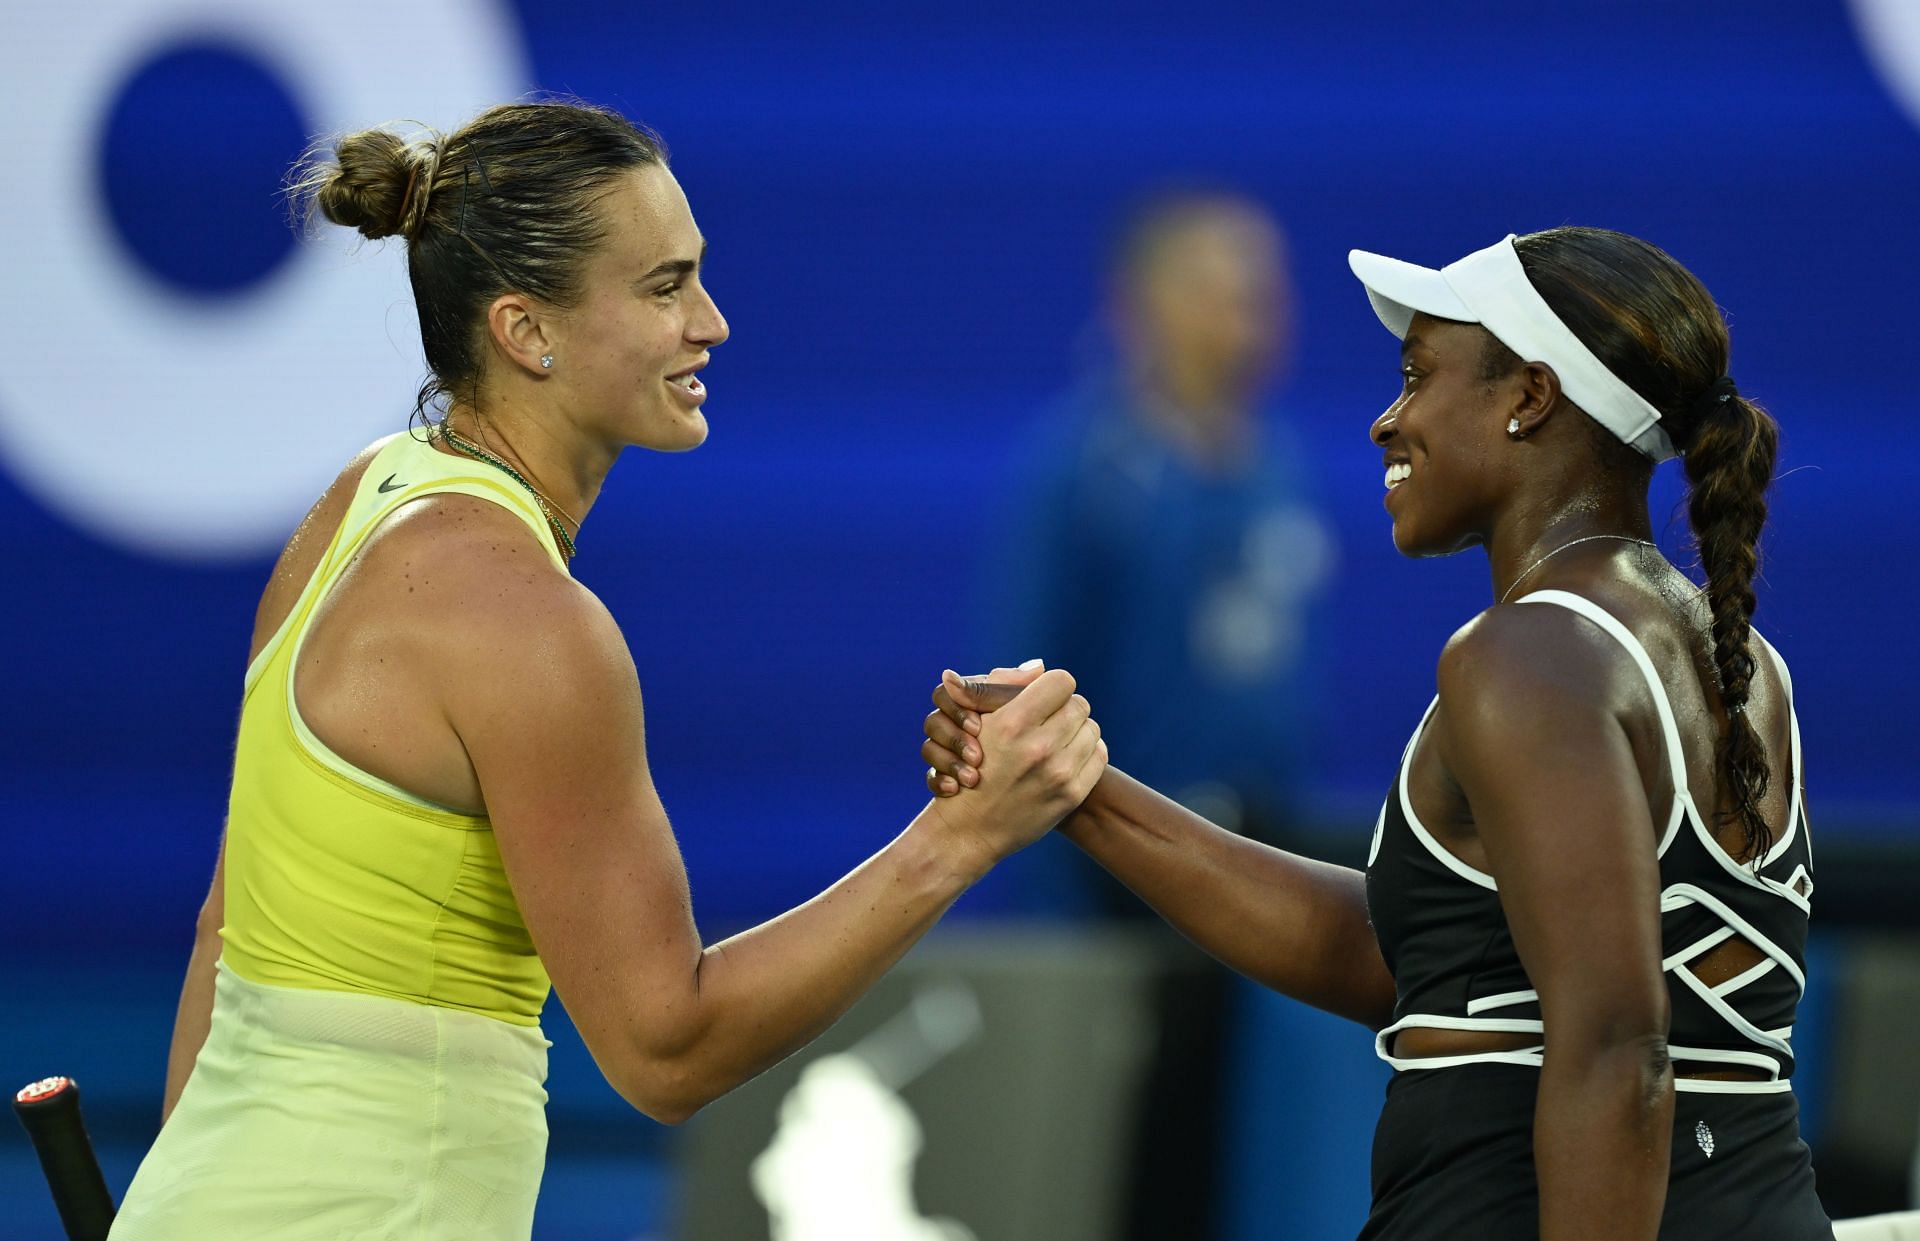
(1453, 1154)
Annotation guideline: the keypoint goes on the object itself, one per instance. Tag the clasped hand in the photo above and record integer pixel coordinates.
(1020, 744)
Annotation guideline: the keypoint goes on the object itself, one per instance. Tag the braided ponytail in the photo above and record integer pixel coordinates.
(1656, 327)
(1730, 459)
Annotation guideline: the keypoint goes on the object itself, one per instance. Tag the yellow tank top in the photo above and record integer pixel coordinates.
(337, 880)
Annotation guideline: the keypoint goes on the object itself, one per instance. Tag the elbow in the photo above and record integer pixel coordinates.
(662, 1110)
(670, 1063)
(1628, 1075)
(1644, 1056)
(663, 1093)
(1629, 1043)
(665, 1080)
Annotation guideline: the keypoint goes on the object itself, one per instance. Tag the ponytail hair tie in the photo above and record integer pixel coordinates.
(1684, 425)
(1717, 396)
(418, 192)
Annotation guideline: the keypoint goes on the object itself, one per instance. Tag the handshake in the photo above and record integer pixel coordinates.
(1009, 755)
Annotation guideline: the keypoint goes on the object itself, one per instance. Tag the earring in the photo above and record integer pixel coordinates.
(1513, 427)
(546, 364)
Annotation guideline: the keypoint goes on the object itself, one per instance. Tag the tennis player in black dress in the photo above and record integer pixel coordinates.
(1580, 937)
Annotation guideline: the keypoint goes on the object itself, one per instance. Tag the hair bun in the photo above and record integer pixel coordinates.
(379, 183)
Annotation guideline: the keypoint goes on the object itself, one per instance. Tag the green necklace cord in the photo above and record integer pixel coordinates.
(461, 444)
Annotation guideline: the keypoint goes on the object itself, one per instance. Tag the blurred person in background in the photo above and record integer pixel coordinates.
(1162, 530)
(1162, 542)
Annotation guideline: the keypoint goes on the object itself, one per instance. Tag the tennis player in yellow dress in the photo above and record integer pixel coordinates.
(441, 795)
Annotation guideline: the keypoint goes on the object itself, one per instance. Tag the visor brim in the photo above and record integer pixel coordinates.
(1399, 290)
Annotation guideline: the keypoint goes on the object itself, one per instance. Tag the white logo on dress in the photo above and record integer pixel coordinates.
(1704, 1136)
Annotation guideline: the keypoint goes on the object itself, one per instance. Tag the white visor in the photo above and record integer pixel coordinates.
(1490, 287)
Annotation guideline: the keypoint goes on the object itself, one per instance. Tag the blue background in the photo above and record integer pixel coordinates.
(908, 216)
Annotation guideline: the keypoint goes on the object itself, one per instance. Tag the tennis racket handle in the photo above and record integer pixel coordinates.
(50, 1110)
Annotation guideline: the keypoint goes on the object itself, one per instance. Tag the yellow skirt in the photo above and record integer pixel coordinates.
(331, 1115)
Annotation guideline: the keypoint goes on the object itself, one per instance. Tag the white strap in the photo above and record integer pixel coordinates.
(1506, 999)
(1731, 1015)
(1779, 663)
(1428, 841)
(1795, 803)
(1676, 753)
(1680, 895)
(1708, 1085)
(1731, 985)
(1712, 939)
(1531, 1056)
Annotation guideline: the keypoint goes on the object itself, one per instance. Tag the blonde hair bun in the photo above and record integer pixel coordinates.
(377, 182)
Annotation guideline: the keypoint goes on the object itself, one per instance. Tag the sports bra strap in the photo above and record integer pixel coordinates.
(1779, 664)
(1795, 755)
(1676, 753)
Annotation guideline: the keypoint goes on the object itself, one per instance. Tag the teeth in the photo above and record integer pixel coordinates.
(1398, 473)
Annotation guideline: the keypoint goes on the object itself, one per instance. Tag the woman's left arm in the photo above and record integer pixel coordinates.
(1533, 725)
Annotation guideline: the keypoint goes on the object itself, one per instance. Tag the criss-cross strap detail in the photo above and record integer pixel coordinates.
(1460, 972)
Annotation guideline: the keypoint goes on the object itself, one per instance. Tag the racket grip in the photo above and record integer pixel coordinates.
(50, 1110)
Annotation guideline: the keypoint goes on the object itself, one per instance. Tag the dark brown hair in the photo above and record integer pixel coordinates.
(1657, 328)
(505, 203)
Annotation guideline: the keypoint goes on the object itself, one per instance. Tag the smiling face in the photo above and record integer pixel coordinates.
(627, 351)
(1444, 439)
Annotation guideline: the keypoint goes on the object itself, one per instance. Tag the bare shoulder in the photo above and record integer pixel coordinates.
(1541, 722)
(506, 624)
(305, 547)
(525, 666)
(1515, 656)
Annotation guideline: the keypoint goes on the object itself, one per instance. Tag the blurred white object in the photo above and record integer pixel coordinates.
(1890, 32)
(193, 427)
(1900, 1226)
(840, 1167)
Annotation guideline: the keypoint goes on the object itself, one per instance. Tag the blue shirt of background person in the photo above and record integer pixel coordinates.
(1161, 541)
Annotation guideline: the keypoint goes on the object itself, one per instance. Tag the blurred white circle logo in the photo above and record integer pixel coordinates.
(200, 427)
(1890, 30)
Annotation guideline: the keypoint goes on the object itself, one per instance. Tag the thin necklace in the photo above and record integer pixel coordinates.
(1624, 538)
(548, 508)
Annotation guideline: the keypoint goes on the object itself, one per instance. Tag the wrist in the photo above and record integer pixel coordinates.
(1078, 826)
(946, 849)
(1086, 819)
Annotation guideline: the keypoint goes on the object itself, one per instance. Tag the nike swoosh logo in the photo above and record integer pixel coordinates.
(390, 485)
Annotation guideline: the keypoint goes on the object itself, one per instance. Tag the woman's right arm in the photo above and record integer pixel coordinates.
(539, 686)
(1291, 923)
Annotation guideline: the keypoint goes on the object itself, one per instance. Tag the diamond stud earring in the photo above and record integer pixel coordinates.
(1513, 424)
(546, 364)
